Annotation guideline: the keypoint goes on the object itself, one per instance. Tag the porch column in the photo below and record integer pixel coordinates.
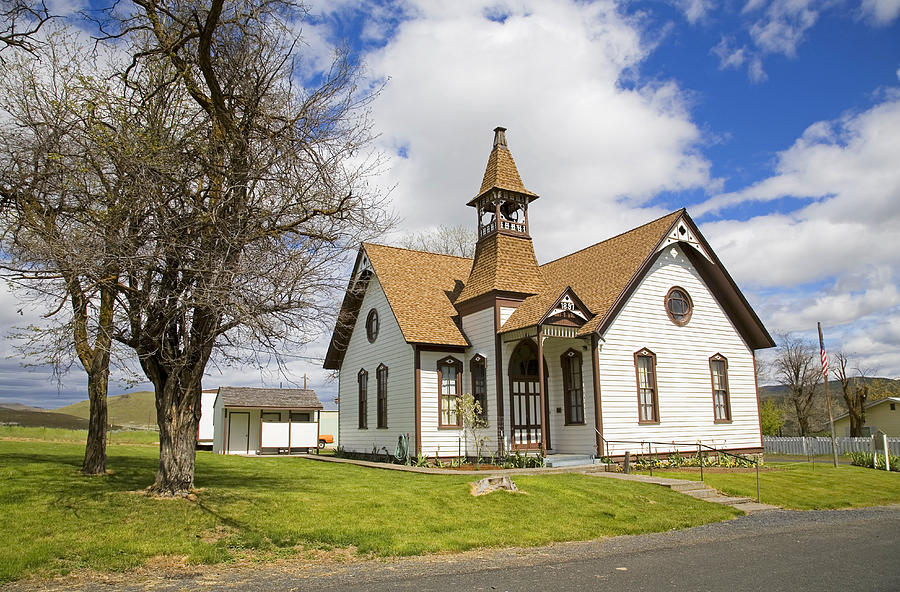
(598, 410)
(540, 340)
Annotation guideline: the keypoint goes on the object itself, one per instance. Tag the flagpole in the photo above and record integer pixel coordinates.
(827, 395)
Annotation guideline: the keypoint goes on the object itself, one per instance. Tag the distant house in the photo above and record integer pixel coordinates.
(641, 337)
(262, 420)
(883, 415)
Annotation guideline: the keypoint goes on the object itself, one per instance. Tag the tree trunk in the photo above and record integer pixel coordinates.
(177, 415)
(95, 450)
(802, 418)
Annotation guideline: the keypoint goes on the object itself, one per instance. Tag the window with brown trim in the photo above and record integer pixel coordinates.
(718, 370)
(478, 371)
(381, 377)
(449, 384)
(363, 379)
(679, 306)
(573, 390)
(648, 400)
(372, 326)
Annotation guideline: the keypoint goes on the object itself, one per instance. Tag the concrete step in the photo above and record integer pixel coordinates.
(689, 486)
(727, 501)
(569, 460)
(751, 507)
(700, 493)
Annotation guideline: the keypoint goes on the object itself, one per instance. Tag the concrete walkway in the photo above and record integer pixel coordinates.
(696, 489)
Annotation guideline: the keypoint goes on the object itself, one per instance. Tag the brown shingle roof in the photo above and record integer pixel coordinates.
(501, 172)
(234, 396)
(505, 263)
(598, 274)
(419, 287)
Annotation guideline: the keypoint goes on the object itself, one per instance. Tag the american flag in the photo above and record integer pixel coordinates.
(824, 360)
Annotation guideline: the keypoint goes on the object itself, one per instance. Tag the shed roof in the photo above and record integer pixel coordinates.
(236, 396)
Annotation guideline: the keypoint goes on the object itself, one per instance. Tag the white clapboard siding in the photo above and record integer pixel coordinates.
(569, 438)
(218, 426)
(683, 374)
(443, 441)
(505, 313)
(479, 329)
(391, 349)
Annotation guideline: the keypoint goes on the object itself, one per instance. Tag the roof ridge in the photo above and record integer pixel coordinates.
(606, 240)
(417, 251)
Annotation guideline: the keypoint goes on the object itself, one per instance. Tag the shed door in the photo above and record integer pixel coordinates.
(239, 432)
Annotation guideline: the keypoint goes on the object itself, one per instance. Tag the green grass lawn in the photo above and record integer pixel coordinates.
(56, 520)
(802, 486)
(145, 437)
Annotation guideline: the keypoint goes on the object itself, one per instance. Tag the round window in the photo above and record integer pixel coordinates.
(679, 306)
(372, 325)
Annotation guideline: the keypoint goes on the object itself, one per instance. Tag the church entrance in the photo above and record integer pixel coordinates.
(525, 397)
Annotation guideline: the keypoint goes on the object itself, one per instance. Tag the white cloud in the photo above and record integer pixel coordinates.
(729, 57)
(552, 73)
(783, 26)
(695, 10)
(834, 257)
(881, 12)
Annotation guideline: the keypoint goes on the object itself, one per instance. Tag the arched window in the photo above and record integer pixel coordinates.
(648, 399)
(372, 326)
(478, 371)
(363, 379)
(449, 384)
(718, 370)
(381, 376)
(573, 391)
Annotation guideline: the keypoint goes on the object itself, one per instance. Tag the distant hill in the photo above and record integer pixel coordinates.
(130, 409)
(40, 418)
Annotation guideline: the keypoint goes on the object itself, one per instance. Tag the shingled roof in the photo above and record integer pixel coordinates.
(597, 274)
(235, 396)
(503, 263)
(501, 171)
(420, 287)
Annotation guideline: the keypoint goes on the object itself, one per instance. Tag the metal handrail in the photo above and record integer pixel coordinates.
(700, 446)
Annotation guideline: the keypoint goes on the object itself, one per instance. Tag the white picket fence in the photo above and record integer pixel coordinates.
(805, 446)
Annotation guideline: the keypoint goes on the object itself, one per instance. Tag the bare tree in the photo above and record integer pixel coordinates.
(449, 240)
(252, 206)
(64, 206)
(855, 390)
(20, 21)
(796, 367)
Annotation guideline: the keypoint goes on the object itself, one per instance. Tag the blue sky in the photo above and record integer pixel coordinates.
(775, 122)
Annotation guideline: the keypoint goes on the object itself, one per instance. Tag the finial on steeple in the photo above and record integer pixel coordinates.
(500, 137)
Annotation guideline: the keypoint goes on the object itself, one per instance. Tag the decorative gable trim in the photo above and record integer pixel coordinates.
(567, 309)
(720, 283)
(684, 231)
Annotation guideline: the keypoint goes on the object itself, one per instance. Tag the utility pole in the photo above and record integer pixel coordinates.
(827, 395)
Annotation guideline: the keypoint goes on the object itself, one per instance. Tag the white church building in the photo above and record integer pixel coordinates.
(642, 337)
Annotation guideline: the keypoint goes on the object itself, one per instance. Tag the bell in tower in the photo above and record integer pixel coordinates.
(502, 202)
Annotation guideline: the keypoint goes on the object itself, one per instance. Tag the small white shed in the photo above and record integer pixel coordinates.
(265, 421)
(206, 429)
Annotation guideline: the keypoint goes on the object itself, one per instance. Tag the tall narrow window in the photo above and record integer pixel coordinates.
(648, 403)
(572, 387)
(449, 383)
(381, 376)
(363, 379)
(718, 368)
(478, 370)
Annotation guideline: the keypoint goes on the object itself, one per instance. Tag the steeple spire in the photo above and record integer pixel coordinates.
(504, 256)
(502, 202)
